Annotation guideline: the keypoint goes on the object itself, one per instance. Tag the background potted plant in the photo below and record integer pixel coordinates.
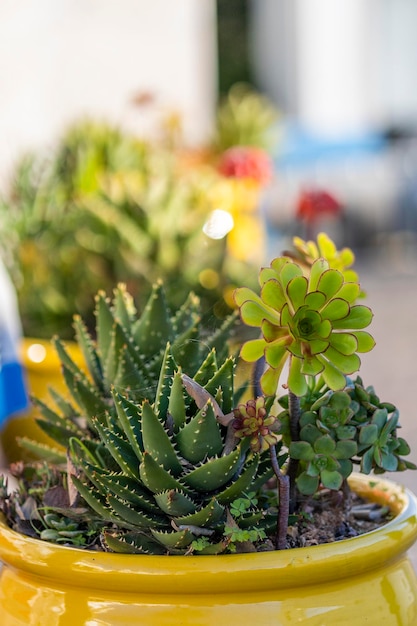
(103, 206)
(157, 454)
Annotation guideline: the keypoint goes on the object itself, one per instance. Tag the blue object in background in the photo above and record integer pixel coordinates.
(300, 148)
(13, 392)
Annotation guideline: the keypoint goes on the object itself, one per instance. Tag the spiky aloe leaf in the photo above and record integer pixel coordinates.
(89, 352)
(129, 414)
(207, 369)
(51, 416)
(120, 450)
(174, 540)
(127, 489)
(176, 404)
(155, 477)
(174, 502)
(214, 473)
(223, 379)
(207, 516)
(97, 503)
(157, 443)
(91, 404)
(123, 306)
(241, 485)
(104, 324)
(168, 367)
(68, 410)
(133, 517)
(200, 438)
(132, 543)
(42, 451)
(154, 328)
(186, 350)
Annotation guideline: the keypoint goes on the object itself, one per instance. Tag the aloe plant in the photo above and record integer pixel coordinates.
(148, 439)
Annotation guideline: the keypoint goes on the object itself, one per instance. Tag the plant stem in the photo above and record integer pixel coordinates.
(284, 502)
(294, 412)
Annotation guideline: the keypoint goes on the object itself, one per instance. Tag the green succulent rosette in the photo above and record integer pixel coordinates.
(311, 320)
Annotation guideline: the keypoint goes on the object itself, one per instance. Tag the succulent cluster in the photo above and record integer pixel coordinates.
(157, 452)
(147, 442)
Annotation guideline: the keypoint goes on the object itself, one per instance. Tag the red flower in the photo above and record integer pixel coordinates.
(246, 162)
(313, 204)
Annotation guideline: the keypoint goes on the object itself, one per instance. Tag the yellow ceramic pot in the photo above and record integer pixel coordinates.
(367, 580)
(43, 370)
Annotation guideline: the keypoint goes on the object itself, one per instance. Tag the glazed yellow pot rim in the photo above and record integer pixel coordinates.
(239, 572)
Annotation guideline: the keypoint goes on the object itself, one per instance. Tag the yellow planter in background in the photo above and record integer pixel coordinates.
(366, 580)
(43, 370)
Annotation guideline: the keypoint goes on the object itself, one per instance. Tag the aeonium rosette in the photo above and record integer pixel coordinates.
(312, 320)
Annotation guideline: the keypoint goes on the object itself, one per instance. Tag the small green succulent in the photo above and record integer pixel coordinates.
(312, 320)
(308, 315)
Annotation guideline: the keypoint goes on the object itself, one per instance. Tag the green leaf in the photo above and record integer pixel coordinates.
(307, 484)
(156, 478)
(223, 379)
(89, 352)
(296, 381)
(367, 461)
(129, 544)
(129, 415)
(331, 375)
(174, 540)
(127, 489)
(98, 505)
(330, 282)
(253, 350)
(214, 474)
(324, 445)
(168, 367)
(200, 437)
(365, 341)
(331, 480)
(297, 291)
(205, 517)
(347, 363)
(176, 406)
(368, 435)
(126, 514)
(349, 291)
(120, 449)
(242, 484)
(157, 442)
(153, 329)
(301, 450)
(104, 324)
(359, 317)
(174, 502)
(253, 313)
(319, 266)
(345, 343)
(289, 271)
(273, 295)
(345, 449)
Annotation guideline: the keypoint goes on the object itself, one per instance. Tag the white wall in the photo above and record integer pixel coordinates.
(60, 59)
(338, 66)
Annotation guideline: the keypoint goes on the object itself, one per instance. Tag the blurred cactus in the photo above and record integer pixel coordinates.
(101, 208)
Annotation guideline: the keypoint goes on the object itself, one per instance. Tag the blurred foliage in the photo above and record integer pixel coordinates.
(245, 117)
(103, 206)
